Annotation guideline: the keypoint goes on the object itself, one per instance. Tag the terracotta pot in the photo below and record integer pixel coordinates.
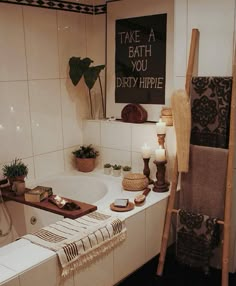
(18, 178)
(85, 164)
(19, 187)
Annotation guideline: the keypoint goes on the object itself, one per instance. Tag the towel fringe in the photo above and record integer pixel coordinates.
(83, 260)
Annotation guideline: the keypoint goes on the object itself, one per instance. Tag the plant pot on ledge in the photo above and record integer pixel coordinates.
(85, 158)
(15, 171)
(107, 169)
(85, 164)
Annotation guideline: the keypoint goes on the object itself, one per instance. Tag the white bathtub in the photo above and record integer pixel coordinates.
(80, 188)
(144, 229)
(94, 188)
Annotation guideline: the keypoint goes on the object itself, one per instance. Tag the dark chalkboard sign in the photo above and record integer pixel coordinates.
(140, 60)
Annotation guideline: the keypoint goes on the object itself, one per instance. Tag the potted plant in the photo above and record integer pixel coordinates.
(107, 168)
(116, 170)
(126, 170)
(85, 158)
(81, 68)
(16, 171)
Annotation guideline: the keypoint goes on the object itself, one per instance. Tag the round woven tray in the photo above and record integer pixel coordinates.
(135, 182)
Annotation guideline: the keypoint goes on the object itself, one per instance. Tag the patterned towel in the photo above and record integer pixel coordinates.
(78, 242)
(197, 236)
(210, 108)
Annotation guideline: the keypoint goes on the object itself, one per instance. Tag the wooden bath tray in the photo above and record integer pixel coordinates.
(48, 206)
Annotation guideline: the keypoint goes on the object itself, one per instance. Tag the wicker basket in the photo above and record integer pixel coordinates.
(166, 111)
(168, 119)
(134, 182)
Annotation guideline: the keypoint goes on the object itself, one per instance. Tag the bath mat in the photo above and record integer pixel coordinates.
(78, 242)
(197, 236)
(210, 108)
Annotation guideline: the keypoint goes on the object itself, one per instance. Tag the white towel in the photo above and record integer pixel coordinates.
(80, 241)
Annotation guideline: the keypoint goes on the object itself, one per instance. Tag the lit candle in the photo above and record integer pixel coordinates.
(160, 154)
(161, 127)
(146, 151)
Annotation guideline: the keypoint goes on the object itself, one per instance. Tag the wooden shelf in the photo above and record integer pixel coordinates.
(50, 207)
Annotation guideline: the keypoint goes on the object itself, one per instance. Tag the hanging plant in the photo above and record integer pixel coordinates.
(81, 67)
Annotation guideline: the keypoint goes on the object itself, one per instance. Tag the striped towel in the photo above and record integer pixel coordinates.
(78, 242)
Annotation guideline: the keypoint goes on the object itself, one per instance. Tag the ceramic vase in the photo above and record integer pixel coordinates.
(116, 173)
(107, 171)
(126, 173)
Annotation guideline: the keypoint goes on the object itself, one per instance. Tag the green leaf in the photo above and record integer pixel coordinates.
(77, 68)
(91, 75)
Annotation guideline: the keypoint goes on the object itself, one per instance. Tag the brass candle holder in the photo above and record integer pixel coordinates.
(161, 140)
(146, 170)
(161, 185)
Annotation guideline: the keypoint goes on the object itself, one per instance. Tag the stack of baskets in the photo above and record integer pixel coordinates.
(166, 116)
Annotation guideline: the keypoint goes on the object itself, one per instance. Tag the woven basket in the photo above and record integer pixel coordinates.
(166, 111)
(168, 119)
(134, 182)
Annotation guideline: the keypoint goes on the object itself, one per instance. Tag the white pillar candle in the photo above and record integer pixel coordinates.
(161, 127)
(160, 154)
(146, 151)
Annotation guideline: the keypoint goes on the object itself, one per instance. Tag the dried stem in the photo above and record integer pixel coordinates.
(91, 106)
(103, 104)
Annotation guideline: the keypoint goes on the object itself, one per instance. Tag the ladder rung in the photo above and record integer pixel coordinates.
(218, 221)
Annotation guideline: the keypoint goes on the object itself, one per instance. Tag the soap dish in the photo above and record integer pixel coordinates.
(129, 207)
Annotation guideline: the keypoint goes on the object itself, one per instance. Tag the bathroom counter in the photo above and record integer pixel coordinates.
(50, 207)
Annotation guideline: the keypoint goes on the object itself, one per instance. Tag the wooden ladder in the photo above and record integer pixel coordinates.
(226, 223)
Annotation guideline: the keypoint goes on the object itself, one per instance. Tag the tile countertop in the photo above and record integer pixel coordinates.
(117, 192)
(11, 262)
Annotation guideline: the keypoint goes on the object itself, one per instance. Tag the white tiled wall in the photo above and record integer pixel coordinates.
(41, 43)
(121, 143)
(41, 111)
(13, 60)
(45, 107)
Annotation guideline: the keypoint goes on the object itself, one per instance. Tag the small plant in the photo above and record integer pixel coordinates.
(126, 168)
(116, 167)
(15, 169)
(107, 165)
(86, 151)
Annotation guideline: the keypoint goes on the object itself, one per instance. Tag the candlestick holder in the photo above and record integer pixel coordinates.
(161, 140)
(161, 185)
(146, 170)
